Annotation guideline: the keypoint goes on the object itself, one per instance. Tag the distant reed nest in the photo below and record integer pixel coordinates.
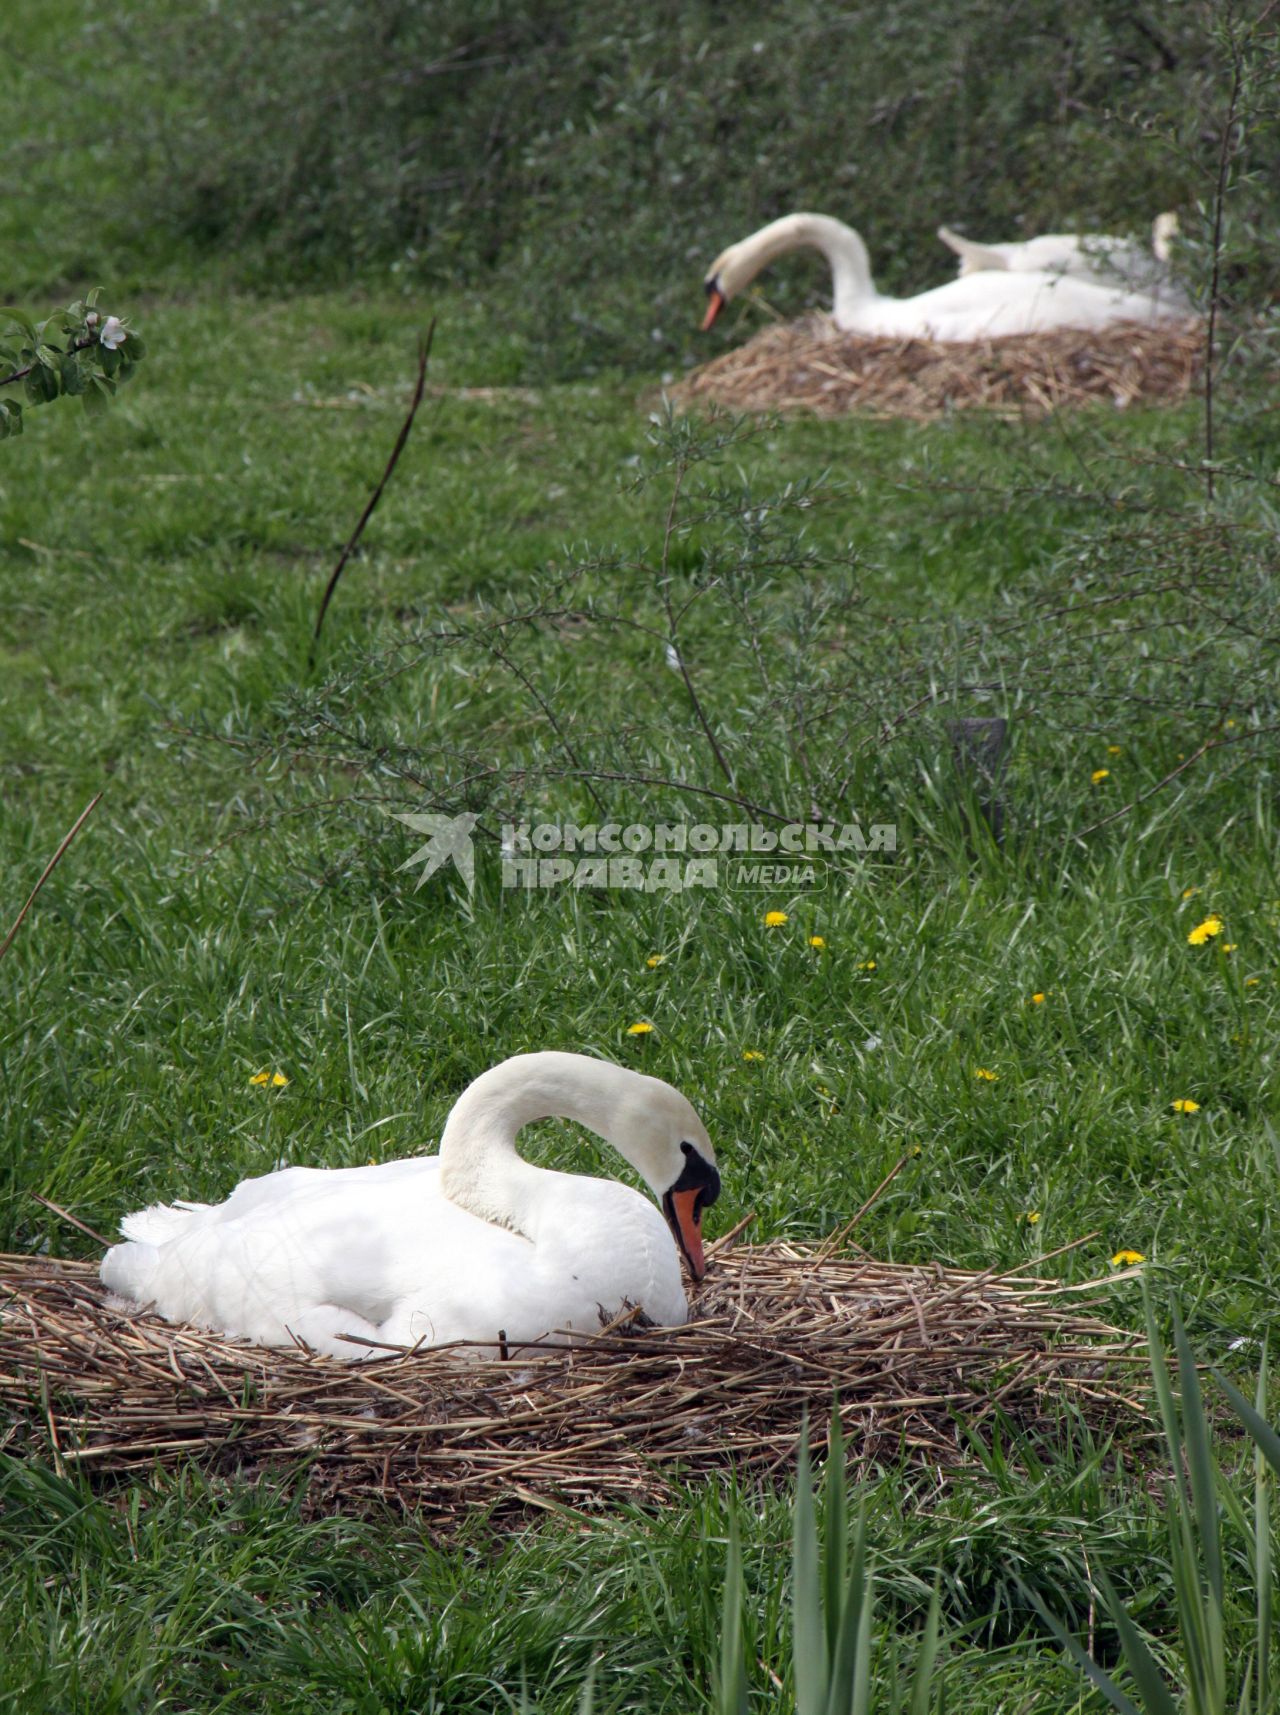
(810, 365)
(919, 1357)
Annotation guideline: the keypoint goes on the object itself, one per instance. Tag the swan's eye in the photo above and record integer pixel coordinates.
(711, 285)
(687, 1148)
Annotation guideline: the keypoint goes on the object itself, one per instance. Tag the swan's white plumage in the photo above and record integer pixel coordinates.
(1101, 260)
(382, 1253)
(981, 305)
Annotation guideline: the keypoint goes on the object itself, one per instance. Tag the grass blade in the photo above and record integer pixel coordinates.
(1156, 1698)
(860, 1692)
(927, 1659)
(853, 1610)
(836, 1521)
(1265, 1438)
(809, 1641)
(731, 1681)
(1262, 1546)
(1083, 1660)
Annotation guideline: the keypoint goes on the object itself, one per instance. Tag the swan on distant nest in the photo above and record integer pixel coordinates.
(980, 306)
(1115, 262)
(471, 1244)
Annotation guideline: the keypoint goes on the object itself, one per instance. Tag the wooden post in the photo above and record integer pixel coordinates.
(977, 746)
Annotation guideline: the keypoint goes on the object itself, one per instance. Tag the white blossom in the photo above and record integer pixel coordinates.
(113, 333)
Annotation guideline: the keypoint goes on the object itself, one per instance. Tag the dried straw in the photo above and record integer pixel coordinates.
(918, 1356)
(810, 365)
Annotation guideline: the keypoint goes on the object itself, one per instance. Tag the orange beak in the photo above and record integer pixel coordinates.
(715, 303)
(687, 1226)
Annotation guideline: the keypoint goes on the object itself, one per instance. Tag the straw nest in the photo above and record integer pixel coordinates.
(918, 1357)
(810, 365)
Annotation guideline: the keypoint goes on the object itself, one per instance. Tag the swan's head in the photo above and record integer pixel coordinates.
(657, 1130)
(1164, 229)
(726, 277)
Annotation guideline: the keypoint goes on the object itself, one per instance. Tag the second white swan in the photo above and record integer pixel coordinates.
(472, 1244)
(1094, 256)
(978, 306)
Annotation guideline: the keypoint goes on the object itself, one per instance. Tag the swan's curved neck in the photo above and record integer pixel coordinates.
(852, 285)
(479, 1166)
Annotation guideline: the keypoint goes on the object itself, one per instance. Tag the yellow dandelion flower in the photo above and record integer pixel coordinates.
(774, 919)
(982, 1072)
(1231, 723)
(1190, 892)
(277, 1079)
(1205, 931)
(817, 941)
(642, 1028)
(867, 965)
(654, 960)
(1127, 1258)
(1184, 1105)
(1037, 999)
(1113, 750)
(915, 1150)
(752, 1054)
(1230, 946)
(1249, 982)
(1099, 775)
(1033, 1217)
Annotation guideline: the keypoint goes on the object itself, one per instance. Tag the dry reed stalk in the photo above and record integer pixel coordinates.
(778, 1331)
(811, 366)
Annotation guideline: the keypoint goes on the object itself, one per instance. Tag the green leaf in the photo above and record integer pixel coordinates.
(71, 374)
(24, 321)
(42, 384)
(96, 394)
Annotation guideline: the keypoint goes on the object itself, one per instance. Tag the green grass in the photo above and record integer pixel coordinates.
(236, 903)
(215, 918)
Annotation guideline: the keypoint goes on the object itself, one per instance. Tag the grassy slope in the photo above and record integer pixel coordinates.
(160, 568)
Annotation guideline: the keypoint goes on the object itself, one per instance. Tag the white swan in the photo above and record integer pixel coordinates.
(980, 306)
(465, 1245)
(1105, 261)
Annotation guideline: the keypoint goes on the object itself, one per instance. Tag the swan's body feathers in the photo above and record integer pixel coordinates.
(382, 1253)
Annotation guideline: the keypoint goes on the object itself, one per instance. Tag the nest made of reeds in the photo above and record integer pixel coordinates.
(810, 365)
(919, 1358)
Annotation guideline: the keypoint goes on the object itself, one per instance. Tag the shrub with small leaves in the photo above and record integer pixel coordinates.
(80, 351)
